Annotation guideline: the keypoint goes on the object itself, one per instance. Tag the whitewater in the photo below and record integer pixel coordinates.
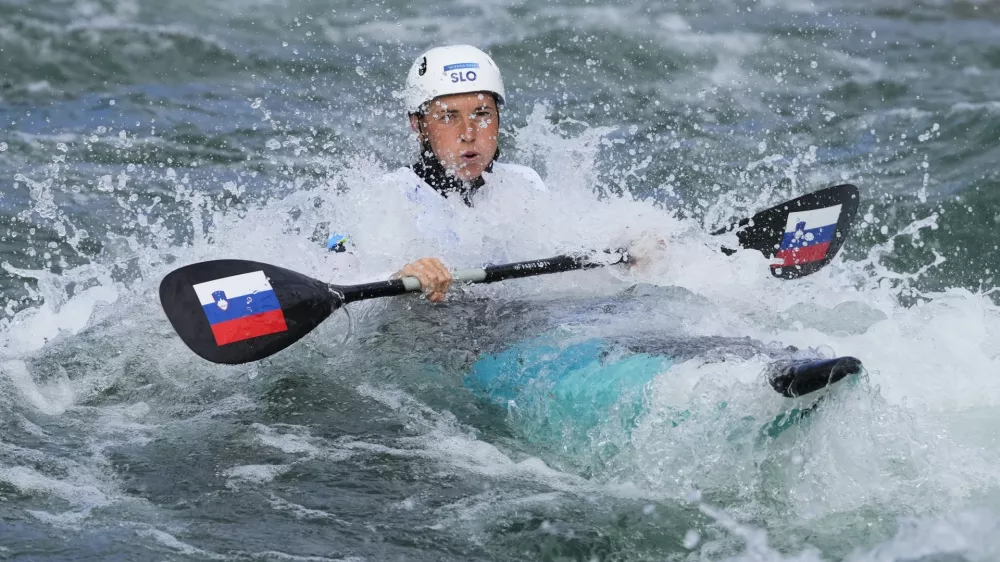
(361, 441)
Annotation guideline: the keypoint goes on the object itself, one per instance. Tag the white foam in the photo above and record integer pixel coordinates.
(796, 6)
(286, 442)
(256, 473)
(965, 107)
(274, 554)
(444, 440)
(302, 512)
(53, 398)
(67, 520)
(31, 329)
(969, 535)
(171, 542)
(84, 495)
(911, 113)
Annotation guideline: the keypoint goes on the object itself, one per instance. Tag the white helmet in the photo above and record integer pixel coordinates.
(456, 69)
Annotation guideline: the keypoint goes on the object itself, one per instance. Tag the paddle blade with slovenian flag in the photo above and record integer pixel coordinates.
(240, 307)
(808, 236)
(232, 311)
(801, 235)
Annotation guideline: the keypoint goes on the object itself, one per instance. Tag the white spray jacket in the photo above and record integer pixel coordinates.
(402, 209)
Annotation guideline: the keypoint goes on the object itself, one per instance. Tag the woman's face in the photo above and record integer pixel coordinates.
(462, 130)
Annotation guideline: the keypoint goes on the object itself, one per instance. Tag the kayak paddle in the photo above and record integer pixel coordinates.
(238, 311)
(805, 233)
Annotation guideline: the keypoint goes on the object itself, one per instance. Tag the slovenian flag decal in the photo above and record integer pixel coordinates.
(807, 236)
(241, 307)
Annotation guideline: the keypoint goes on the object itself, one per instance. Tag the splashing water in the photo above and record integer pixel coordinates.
(361, 441)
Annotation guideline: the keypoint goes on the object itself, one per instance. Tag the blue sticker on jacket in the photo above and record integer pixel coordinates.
(337, 242)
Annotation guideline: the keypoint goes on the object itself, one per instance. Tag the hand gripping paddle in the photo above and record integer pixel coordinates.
(237, 311)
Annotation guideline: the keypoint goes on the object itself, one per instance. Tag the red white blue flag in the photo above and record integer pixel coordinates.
(807, 236)
(241, 307)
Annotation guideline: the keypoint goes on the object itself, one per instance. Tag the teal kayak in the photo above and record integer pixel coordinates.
(559, 391)
(555, 389)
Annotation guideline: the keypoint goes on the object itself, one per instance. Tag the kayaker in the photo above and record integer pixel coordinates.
(453, 98)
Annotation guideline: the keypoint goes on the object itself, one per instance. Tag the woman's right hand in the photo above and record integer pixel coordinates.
(434, 277)
(647, 250)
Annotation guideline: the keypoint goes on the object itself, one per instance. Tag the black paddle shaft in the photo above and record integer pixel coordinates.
(488, 274)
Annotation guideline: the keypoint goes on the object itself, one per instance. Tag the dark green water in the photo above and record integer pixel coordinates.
(141, 135)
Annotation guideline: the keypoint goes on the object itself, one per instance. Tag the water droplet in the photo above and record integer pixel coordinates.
(104, 183)
(691, 539)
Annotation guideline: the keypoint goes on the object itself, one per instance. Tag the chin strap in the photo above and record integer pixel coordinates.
(443, 181)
